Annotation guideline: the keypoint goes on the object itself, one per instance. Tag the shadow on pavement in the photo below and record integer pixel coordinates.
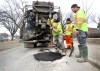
(94, 64)
(40, 45)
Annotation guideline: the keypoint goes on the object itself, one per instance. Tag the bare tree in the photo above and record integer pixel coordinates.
(93, 18)
(20, 10)
(12, 28)
(15, 12)
(8, 22)
(98, 22)
(96, 19)
(98, 27)
(87, 6)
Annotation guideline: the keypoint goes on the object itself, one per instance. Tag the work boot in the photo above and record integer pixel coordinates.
(81, 60)
(84, 57)
(63, 52)
(85, 52)
(57, 50)
(80, 52)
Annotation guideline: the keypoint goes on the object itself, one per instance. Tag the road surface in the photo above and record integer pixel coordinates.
(22, 59)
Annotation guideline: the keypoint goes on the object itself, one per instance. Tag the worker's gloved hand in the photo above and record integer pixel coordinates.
(64, 34)
(76, 32)
(48, 19)
(51, 27)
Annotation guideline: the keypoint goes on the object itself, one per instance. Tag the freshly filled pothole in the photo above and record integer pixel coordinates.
(47, 56)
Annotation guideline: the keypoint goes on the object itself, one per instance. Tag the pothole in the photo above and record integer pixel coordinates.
(47, 56)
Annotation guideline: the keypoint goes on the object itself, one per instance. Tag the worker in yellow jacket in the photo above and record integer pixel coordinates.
(68, 32)
(57, 33)
(81, 29)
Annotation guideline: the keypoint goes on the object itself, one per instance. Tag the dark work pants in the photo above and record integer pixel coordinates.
(81, 37)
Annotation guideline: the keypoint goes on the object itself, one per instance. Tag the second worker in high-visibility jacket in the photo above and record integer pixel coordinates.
(68, 32)
(57, 33)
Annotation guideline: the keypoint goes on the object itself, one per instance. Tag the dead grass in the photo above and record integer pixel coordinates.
(9, 44)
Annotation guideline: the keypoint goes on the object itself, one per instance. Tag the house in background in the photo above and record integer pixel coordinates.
(3, 37)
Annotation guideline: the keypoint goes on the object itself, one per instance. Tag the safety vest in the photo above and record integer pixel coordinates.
(58, 26)
(69, 29)
(80, 19)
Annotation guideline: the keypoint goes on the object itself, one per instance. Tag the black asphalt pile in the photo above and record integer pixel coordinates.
(47, 56)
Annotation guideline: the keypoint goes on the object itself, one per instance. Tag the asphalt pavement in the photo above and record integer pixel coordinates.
(22, 59)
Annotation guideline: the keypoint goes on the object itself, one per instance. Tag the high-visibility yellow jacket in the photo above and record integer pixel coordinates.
(69, 29)
(57, 28)
(80, 20)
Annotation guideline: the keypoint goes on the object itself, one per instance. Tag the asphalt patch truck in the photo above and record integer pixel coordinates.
(36, 30)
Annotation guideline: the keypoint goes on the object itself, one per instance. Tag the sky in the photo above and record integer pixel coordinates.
(65, 6)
